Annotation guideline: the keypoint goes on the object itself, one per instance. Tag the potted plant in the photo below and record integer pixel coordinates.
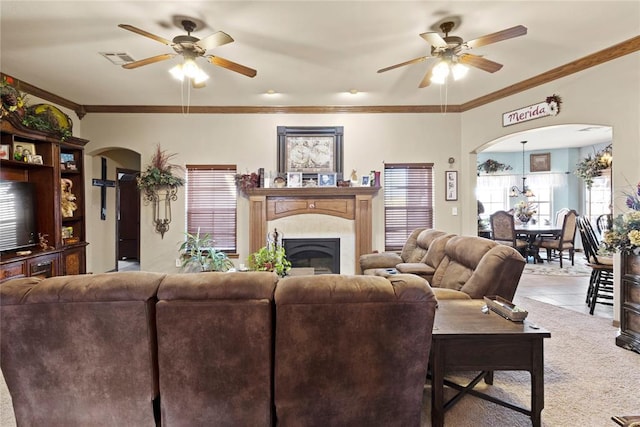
(199, 254)
(270, 258)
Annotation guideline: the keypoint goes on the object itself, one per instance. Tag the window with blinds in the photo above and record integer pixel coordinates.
(408, 201)
(211, 203)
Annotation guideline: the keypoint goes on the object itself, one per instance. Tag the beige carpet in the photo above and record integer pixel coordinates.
(587, 378)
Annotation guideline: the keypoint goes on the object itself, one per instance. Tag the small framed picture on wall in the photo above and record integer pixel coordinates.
(451, 185)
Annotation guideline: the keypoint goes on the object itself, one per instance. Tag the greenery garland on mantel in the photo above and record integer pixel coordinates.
(592, 167)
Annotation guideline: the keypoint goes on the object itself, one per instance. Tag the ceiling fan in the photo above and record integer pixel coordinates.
(190, 48)
(450, 51)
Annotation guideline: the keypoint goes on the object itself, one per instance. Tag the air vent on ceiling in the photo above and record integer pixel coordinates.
(117, 58)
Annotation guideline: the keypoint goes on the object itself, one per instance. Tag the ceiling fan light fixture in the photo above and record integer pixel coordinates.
(190, 70)
(440, 72)
(459, 70)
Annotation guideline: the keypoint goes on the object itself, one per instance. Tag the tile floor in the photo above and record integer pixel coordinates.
(563, 291)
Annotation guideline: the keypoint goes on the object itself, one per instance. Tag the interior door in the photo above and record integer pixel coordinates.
(128, 225)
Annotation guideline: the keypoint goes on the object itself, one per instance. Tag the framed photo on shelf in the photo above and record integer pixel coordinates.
(451, 185)
(326, 180)
(36, 159)
(294, 179)
(22, 151)
(366, 181)
(4, 151)
(310, 150)
(540, 162)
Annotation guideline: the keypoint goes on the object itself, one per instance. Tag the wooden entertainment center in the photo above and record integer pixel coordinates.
(65, 235)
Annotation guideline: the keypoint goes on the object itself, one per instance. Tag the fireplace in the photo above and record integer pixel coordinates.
(321, 254)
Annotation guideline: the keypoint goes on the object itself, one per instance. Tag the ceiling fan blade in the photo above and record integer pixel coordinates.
(229, 65)
(214, 40)
(509, 33)
(402, 64)
(479, 62)
(426, 80)
(434, 39)
(197, 85)
(148, 61)
(144, 33)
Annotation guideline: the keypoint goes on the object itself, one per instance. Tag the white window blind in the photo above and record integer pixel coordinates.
(408, 201)
(211, 203)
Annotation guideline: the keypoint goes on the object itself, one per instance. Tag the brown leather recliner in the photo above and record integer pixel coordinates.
(412, 259)
(79, 350)
(351, 350)
(474, 267)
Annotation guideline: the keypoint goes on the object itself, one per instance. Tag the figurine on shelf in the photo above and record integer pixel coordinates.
(43, 242)
(67, 198)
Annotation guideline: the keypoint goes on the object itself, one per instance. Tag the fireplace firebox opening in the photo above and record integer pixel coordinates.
(321, 254)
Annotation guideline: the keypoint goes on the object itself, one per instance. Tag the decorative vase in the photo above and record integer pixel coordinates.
(629, 335)
(523, 218)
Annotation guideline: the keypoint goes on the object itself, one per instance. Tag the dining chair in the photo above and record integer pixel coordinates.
(559, 218)
(564, 241)
(600, 290)
(603, 223)
(503, 231)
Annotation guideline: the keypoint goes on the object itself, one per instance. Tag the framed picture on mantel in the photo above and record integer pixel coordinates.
(310, 150)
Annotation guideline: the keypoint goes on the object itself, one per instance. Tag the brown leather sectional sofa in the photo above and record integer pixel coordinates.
(216, 349)
(456, 267)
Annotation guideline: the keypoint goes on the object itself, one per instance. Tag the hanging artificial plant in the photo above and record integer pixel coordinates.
(160, 172)
(592, 167)
(491, 166)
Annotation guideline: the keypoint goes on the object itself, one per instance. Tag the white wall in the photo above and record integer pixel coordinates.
(250, 142)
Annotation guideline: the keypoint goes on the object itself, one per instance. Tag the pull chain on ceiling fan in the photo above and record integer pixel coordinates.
(452, 59)
(190, 48)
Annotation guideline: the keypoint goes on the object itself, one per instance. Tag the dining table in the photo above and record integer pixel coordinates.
(532, 232)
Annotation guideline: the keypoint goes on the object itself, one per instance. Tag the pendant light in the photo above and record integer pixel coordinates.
(526, 192)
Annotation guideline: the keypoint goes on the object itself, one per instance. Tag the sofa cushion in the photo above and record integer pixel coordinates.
(215, 345)
(351, 350)
(80, 350)
(435, 253)
(411, 251)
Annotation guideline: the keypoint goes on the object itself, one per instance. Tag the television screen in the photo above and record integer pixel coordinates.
(17, 218)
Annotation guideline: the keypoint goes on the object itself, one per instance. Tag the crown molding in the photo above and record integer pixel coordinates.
(616, 51)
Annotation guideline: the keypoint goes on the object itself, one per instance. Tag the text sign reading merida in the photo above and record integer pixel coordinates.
(549, 107)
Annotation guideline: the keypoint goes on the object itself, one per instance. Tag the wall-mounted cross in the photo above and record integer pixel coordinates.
(103, 183)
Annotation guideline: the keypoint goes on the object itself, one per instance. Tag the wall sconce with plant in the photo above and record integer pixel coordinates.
(592, 167)
(160, 185)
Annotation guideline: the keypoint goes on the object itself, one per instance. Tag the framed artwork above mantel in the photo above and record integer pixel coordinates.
(311, 150)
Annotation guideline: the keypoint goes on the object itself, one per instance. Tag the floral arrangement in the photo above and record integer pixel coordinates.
(159, 172)
(247, 181)
(524, 210)
(42, 117)
(491, 166)
(625, 234)
(591, 167)
(12, 100)
(554, 102)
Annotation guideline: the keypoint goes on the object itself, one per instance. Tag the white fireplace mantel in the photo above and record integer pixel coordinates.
(352, 203)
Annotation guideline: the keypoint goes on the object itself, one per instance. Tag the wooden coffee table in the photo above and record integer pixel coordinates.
(466, 339)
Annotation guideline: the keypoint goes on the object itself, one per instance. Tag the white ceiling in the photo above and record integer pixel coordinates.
(310, 52)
